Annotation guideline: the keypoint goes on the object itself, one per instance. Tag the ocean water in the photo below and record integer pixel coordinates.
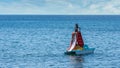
(39, 41)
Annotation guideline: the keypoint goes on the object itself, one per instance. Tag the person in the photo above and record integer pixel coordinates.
(77, 42)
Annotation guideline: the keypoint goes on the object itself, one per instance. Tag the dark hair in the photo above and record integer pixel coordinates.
(76, 27)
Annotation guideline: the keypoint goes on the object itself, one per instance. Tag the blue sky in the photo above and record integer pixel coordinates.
(60, 7)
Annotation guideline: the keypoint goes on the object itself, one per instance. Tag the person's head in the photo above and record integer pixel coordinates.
(76, 27)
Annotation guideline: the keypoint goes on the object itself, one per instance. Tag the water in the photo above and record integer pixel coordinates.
(34, 41)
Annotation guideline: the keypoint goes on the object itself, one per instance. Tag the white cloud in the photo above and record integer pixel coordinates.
(112, 7)
(18, 8)
(60, 7)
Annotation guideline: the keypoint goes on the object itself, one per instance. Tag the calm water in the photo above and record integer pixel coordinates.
(40, 41)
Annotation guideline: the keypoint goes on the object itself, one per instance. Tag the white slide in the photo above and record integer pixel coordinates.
(73, 44)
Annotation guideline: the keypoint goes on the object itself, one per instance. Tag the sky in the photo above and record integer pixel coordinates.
(60, 7)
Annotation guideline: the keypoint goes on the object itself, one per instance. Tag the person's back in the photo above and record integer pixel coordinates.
(78, 36)
(79, 39)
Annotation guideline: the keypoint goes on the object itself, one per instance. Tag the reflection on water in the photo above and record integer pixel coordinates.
(76, 61)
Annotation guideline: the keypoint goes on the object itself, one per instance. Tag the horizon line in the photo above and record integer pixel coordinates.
(67, 14)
